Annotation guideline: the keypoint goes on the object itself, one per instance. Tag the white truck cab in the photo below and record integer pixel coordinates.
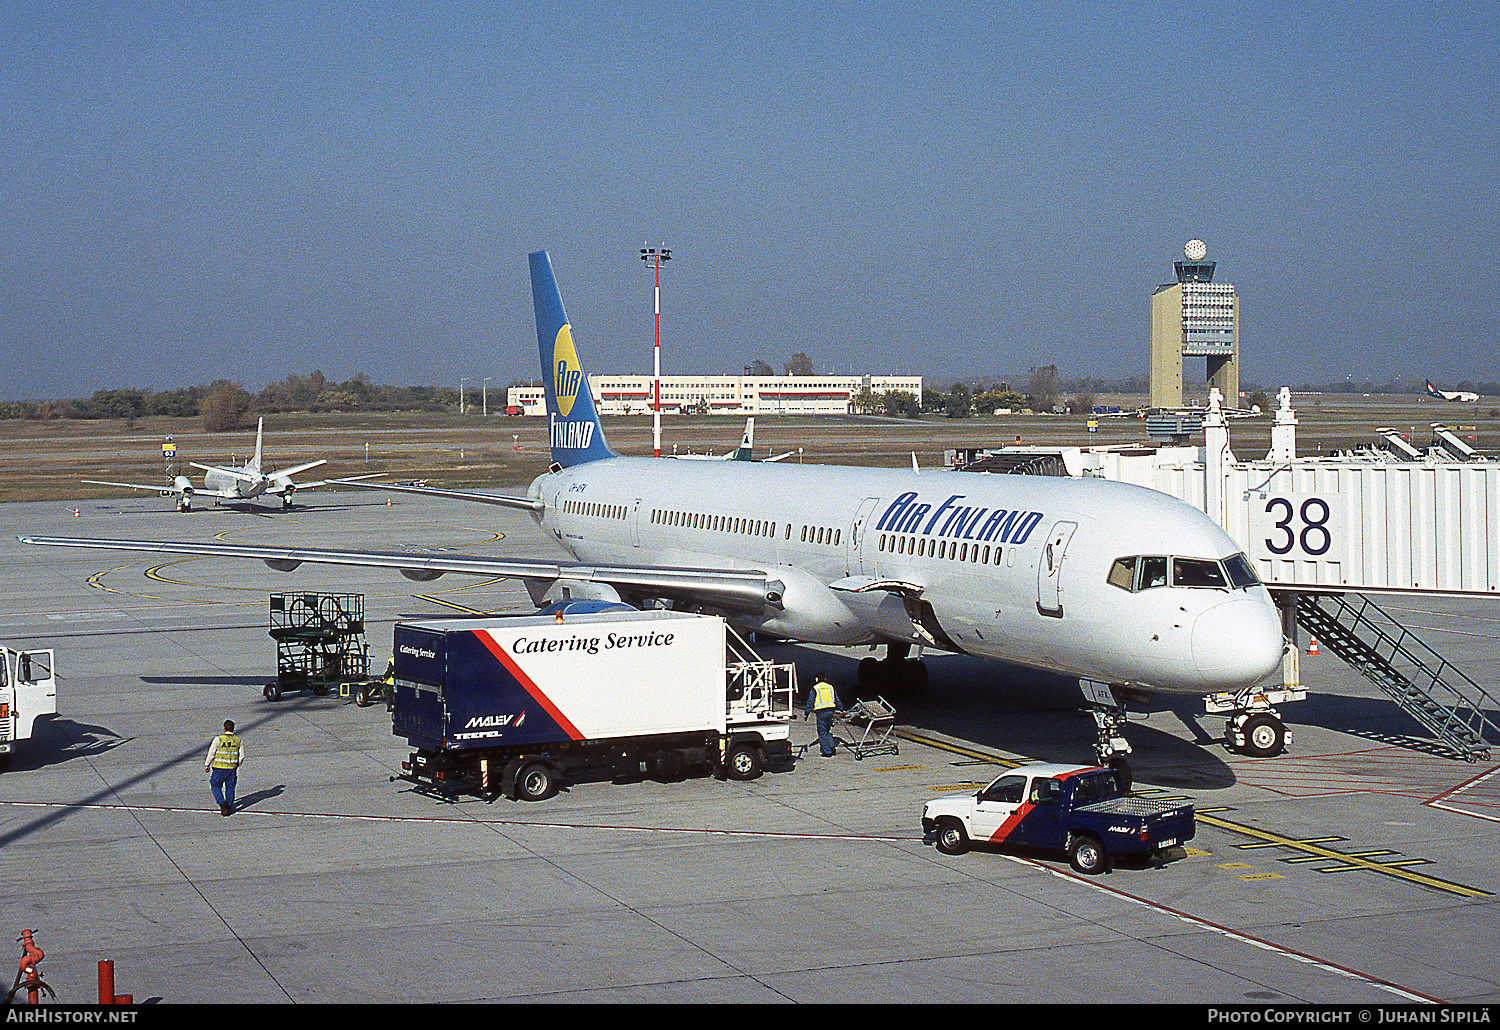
(28, 688)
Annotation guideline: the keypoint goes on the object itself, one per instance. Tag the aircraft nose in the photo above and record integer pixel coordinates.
(1237, 643)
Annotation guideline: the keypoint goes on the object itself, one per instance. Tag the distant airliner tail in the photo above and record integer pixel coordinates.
(573, 427)
(1432, 390)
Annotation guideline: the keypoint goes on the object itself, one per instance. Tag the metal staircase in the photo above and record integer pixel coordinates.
(1417, 678)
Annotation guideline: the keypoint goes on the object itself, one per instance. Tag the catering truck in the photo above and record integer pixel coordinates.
(517, 706)
(28, 689)
(1086, 812)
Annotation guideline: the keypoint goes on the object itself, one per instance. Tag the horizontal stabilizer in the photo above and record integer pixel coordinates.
(297, 468)
(504, 500)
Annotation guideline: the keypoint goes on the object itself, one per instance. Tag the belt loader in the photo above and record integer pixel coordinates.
(517, 706)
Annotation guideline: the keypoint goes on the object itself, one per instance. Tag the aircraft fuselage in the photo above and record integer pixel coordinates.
(1014, 568)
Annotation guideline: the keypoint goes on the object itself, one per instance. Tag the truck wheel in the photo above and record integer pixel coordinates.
(1086, 854)
(952, 838)
(536, 782)
(743, 762)
(1265, 735)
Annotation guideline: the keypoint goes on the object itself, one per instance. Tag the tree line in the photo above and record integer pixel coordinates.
(223, 404)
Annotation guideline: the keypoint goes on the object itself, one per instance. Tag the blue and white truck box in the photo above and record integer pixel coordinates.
(518, 705)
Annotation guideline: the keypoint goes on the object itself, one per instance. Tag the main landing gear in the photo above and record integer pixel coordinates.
(893, 675)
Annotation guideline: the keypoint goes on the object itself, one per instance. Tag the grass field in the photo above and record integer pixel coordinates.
(43, 460)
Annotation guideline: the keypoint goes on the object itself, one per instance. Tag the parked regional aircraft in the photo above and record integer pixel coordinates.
(1451, 395)
(1111, 583)
(744, 452)
(236, 484)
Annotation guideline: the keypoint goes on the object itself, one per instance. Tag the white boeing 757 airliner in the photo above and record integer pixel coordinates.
(1111, 583)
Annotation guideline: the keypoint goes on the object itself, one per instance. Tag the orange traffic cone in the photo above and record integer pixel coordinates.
(76, 515)
(1312, 646)
(387, 502)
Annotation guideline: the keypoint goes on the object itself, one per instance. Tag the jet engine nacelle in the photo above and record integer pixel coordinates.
(811, 612)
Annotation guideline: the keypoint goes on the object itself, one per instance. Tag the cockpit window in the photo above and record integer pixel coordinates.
(1241, 572)
(1153, 573)
(1122, 574)
(1197, 572)
(1144, 572)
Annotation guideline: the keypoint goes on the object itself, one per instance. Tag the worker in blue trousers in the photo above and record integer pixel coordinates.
(824, 703)
(225, 753)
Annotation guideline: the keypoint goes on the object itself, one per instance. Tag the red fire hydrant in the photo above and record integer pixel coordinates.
(29, 977)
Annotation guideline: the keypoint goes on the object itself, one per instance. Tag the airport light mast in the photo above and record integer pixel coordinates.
(653, 258)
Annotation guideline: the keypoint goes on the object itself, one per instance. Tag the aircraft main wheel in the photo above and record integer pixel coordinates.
(1265, 735)
(1121, 765)
(871, 676)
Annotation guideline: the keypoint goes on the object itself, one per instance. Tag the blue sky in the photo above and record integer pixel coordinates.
(252, 190)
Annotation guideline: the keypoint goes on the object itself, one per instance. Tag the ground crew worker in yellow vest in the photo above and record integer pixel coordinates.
(824, 703)
(225, 753)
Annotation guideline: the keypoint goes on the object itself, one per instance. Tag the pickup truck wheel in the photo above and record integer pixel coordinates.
(1086, 854)
(743, 762)
(1265, 735)
(536, 782)
(952, 838)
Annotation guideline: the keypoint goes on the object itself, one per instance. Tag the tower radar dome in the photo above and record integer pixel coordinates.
(1195, 250)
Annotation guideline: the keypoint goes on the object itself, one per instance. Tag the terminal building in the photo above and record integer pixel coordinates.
(1194, 317)
(726, 395)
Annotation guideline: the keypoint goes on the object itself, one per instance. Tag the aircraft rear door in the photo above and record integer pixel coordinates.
(1049, 586)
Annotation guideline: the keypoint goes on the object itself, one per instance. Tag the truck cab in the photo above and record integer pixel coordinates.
(28, 689)
(1084, 811)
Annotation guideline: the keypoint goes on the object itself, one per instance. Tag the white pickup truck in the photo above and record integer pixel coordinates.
(28, 688)
(1083, 811)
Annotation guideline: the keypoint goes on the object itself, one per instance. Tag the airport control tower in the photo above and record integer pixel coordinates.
(1194, 317)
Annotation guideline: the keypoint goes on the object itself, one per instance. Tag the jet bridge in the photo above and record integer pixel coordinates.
(1323, 533)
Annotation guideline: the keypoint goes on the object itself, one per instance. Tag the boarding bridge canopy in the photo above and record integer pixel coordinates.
(1332, 524)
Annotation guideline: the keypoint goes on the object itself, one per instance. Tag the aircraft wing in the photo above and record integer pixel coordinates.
(165, 490)
(742, 589)
(160, 488)
(504, 500)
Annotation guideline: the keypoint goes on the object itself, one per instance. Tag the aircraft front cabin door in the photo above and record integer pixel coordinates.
(1049, 570)
(635, 523)
(861, 556)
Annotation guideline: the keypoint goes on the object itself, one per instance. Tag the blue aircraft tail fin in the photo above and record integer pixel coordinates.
(572, 422)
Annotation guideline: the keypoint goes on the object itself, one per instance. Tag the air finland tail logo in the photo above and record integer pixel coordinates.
(567, 373)
(567, 380)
